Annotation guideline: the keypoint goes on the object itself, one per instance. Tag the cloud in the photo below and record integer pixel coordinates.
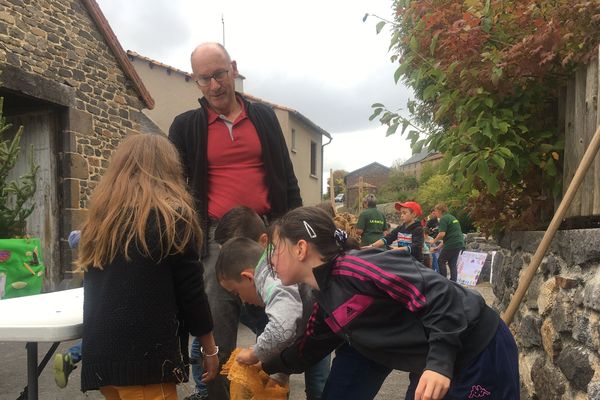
(154, 28)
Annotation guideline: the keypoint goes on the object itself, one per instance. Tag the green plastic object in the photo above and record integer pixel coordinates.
(21, 267)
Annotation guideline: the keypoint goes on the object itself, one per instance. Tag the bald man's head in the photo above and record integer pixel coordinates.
(215, 73)
(210, 47)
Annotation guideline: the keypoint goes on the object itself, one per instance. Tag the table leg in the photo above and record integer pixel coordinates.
(32, 370)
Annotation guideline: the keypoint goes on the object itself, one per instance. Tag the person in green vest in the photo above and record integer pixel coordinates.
(454, 243)
(371, 222)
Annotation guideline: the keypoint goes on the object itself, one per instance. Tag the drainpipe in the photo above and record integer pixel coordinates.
(322, 164)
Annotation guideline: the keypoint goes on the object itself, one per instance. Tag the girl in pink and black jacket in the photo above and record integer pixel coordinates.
(393, 311)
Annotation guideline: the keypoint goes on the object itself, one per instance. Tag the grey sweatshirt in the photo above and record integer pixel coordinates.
(284, 309)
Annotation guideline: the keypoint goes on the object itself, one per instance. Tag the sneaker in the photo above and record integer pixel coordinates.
(197, 396)
(63, 365)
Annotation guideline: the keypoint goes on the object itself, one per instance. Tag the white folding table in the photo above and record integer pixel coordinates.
(50, 317)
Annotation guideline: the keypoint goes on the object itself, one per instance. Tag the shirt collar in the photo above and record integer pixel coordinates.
(212, 115)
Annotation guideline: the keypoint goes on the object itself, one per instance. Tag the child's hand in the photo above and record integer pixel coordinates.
(271, 383)
(246, 356)
(432, 386)
(211, 368)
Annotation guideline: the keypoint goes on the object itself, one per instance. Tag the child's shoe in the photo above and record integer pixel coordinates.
(63, 365)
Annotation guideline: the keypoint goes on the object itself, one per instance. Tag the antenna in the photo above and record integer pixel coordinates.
(223, 22)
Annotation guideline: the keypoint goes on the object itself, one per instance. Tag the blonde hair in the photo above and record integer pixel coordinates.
(144, 177)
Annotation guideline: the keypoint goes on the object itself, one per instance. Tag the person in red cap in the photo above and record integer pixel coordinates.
(408, 237)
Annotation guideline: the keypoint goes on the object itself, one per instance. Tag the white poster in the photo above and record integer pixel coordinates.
(469, 267)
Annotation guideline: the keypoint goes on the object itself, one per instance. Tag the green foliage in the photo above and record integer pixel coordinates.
(486, 75)
(338, 183)
(14, 193)
(399, 187)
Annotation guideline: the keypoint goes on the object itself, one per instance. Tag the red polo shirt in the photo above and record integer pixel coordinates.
(236, 173)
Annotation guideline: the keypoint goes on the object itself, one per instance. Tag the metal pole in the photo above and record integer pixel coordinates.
(586, 161)
(32, 370)
(223, 22)
(331, 188)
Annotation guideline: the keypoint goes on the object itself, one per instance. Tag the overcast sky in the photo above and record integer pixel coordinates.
(317, 57)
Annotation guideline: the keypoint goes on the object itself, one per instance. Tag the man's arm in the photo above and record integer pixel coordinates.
(177, 137)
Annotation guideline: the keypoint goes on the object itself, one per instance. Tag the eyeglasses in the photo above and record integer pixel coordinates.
(218, 76)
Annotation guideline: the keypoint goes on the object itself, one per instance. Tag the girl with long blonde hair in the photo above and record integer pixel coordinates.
(143, 286)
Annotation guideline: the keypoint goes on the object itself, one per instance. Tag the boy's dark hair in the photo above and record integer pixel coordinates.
(327, 207)
(316, 227)
(240, 221)
(236, 255)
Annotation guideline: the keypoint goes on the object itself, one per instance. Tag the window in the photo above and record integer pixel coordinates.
(313, 158)
(293, 147)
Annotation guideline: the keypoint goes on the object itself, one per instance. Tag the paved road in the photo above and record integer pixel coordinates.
(13, 375)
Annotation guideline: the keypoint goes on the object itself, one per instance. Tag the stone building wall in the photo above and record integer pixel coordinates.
(53, 51)
(557, 326)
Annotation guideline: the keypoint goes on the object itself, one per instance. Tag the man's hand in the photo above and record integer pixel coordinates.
(432, 386)
(246, 356)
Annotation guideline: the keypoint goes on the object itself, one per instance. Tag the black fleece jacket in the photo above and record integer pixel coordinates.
(138, 314)
(189, 133)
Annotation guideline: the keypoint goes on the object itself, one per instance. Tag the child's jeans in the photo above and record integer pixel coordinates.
(434, 261)
(354, 376)
(315, 378)
(197, 369)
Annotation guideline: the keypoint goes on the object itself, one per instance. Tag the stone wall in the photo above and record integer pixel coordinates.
(54, 52)
(557, 326)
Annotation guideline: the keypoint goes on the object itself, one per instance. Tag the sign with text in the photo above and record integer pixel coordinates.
(469, 267)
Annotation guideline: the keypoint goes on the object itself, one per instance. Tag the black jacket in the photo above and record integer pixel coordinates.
(137, 315)
(394, 311)
(408, 236)
(189, 133)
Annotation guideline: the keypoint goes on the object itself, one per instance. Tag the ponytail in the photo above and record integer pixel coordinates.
(313, 225)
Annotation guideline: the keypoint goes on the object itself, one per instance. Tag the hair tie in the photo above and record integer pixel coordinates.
(340, 237)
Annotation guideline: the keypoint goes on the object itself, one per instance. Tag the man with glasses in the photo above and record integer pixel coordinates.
(233, 153)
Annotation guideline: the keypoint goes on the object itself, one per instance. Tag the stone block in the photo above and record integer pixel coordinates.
(529, 331)
(575, 364)
(37, 86)
(533, 292)
(526, 362)
(549, 383)
(547, 297)
(582, 329)
(565, 282)
(579, 246)
(74, 166)
(562, 315)
(551, 340)
(593, 391)
(80, 121)
(551, 265)
(70, 193)
(591, 293)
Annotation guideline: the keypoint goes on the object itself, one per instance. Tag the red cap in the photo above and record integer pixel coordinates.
(411, 205)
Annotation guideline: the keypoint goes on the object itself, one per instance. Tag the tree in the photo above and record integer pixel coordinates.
(486, 76)
(338, 182)
(14, 194)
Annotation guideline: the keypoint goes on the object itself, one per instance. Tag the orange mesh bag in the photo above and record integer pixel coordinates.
(247, 382)
(347, 222)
